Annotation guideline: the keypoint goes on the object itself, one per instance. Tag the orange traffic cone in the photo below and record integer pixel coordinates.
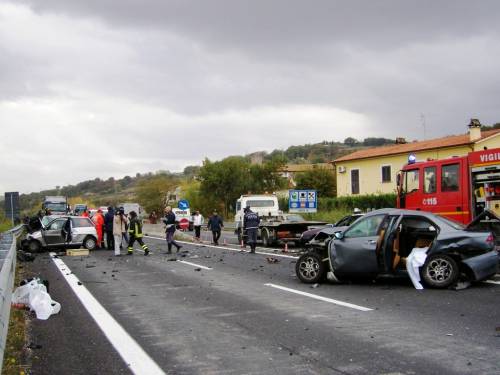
(285, 250)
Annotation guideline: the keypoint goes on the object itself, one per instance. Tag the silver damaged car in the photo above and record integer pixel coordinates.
(62, 232)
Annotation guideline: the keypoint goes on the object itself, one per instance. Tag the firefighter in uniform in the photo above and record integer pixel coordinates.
(251, 224)
(135, 233)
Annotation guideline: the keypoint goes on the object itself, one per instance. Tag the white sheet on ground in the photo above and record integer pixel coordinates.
(415, 260)
(34, 294)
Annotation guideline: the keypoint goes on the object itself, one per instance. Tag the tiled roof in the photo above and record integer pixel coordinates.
(450, 141)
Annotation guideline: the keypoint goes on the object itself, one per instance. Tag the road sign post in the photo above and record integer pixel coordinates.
(303, 201)
(12, 209)
(183, 204)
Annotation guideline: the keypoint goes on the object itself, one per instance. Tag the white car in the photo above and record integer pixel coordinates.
(62, 232)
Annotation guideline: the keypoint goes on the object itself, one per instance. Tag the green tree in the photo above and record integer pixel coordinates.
(321, 179)
(151, 193)
(373, 141)
(191, 171)
(224, 181)
(350, 141)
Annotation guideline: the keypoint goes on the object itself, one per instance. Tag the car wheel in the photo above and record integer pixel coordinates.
(310, 269)
(265, 238)
(90, 243)
(440, 271)
(34, 246)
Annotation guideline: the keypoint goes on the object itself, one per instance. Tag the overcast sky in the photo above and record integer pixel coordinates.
(101, 88)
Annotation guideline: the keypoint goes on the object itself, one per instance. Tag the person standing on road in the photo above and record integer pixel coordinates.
(98, 220)
(170, 222)
(135, 232)
(124, 225)
(153, 217)
(119, 228)
(215, 224)
(251, 224)
(108, 228)
(85, 213)
(198, 221)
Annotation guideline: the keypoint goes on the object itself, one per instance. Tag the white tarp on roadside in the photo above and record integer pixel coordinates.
(415, 260)
(34, 294)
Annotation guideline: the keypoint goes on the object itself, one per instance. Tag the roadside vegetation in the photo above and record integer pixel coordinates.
(5, 224)
(16, 355)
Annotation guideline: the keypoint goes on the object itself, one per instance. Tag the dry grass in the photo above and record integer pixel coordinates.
(16, 356)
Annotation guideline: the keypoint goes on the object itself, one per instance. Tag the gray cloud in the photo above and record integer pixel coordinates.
(174, 81)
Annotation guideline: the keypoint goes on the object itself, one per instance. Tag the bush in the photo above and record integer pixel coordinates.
(363, 202)
(349, 203)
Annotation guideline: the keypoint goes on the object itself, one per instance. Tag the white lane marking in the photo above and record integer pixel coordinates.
(324, 299)
(229, 248)
(492, 282)
(132, 353)
(194, 264)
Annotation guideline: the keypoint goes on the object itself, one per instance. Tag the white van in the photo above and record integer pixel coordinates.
(127, 207)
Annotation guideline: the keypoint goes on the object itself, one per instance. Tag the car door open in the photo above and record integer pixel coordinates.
(53, 234)
(354, 252)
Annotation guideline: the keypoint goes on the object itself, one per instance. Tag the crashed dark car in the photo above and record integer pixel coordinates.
(341, 225)
(380, 243)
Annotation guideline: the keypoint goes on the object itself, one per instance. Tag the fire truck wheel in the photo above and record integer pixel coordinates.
(440, 271)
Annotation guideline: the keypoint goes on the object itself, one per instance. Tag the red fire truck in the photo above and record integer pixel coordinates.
(459, 188)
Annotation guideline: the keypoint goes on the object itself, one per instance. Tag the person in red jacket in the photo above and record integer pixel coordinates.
(98, 220)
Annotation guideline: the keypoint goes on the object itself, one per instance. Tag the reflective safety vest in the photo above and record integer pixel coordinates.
(135, 228)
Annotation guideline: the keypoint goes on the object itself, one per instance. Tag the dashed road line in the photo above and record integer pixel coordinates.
(492, 282)
(320, 298)
(194, 264)
(239, 250)
(138, 361)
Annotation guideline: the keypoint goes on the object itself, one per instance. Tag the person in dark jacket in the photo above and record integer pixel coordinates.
(215, 224)
(251, 224)
(135, 232)
(108, 228)
(170, 223)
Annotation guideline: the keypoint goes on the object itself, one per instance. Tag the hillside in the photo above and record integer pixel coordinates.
(98, 192)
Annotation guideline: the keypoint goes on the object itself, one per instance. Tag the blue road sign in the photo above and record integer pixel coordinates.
(183, 204)
(302, 201)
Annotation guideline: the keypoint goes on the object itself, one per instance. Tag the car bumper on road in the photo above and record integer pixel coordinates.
(483, 266)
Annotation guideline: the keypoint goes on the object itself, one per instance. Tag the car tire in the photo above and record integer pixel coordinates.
(440, 271)
(310, 268)
(90, 243)
(34, 246)
(265, 238)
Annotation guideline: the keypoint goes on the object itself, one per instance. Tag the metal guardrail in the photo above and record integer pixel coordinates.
(7, 274)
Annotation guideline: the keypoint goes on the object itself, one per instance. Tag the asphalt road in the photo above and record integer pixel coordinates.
(217, 310)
